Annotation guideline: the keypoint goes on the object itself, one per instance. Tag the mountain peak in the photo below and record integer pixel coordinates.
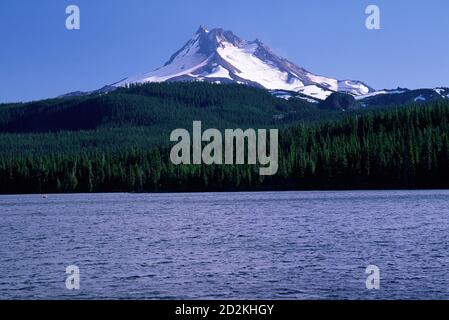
(201, 30)
(220, 35)
(220, 56)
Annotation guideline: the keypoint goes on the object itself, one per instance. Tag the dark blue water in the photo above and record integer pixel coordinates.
(273, 245)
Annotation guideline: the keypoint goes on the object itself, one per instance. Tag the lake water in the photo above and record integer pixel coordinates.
(268, 245)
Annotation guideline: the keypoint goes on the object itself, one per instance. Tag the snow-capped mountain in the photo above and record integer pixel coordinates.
(222, 57)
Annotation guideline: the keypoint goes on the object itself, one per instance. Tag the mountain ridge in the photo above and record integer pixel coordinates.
(220, 56)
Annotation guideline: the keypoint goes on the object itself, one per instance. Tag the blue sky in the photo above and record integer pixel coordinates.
(39, 58)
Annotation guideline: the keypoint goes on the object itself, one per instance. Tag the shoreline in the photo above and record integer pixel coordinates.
(231, 191)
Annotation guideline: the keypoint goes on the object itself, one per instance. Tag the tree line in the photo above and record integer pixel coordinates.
(405, 147)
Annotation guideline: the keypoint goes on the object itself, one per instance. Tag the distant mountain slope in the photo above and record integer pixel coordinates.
(399, 96)
(402, 96)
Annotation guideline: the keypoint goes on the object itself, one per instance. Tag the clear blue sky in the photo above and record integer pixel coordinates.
(39, 58)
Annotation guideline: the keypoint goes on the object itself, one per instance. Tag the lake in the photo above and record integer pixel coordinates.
(264, 245)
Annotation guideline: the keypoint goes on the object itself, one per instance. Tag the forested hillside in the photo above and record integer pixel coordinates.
(115, 142)
(142, 116)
